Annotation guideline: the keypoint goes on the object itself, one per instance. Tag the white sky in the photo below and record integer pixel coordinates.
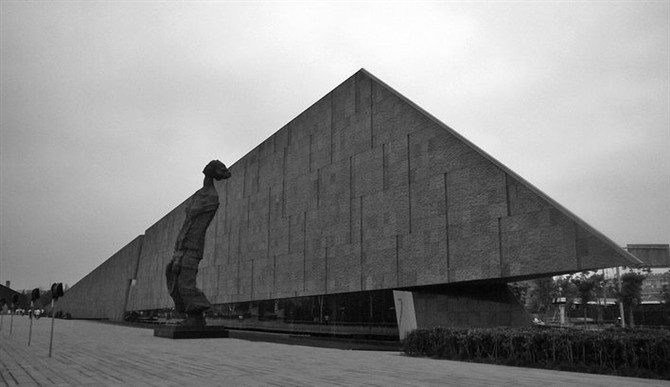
(109, 110)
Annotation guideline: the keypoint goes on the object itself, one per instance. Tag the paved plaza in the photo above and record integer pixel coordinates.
(90, 353)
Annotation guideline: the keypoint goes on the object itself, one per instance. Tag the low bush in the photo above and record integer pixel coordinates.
(640, 353)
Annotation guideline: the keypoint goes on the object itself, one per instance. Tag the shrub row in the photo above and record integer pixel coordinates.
(641, 353)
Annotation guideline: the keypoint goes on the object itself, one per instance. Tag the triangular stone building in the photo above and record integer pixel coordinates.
(366, 192)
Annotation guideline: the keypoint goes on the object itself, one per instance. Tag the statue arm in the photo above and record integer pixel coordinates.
(179, 244)
(176, 262)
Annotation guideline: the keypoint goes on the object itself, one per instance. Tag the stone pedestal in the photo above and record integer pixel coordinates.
(189, 332)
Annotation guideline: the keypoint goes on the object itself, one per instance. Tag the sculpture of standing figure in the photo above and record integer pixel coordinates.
(182, 270)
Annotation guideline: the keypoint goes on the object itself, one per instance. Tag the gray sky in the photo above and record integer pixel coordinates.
(109, 110)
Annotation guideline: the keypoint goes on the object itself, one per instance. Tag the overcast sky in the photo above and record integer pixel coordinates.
(110, 110)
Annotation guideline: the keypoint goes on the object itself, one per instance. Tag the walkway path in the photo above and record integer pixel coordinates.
(95, 354)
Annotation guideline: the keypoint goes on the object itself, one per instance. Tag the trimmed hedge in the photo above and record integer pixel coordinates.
(640, 353)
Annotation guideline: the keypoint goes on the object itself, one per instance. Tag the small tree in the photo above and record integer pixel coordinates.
(541, 294)
(631, 293)
(567, 289)
(665, 296)
(599, 284)
(520, 291)
(585, 285)
(665, 291)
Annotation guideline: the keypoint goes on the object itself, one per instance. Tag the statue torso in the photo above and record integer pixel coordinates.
(199, 214)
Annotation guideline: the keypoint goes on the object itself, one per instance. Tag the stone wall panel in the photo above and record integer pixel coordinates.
(335, 181)
(351, 136)
(320, 147)
(344, 268)
(315, 271)
(290, 271)
(264, 277)
(301, 194)
(228, 282)
(474, 250)
(297, 157)
(380, 263)
(344, 100)
(296, 232)
(537, 241)
(428, 247)
(368, 172)
(278, 237)
(271, 170)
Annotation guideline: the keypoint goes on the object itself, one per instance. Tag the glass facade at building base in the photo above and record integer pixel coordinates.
(360, 315)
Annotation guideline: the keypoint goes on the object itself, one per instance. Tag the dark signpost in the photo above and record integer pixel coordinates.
(34, 296)
(56, 291)
(15, 300)
(3, 302)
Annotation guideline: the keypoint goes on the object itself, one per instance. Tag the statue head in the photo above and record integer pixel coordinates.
(216, 170)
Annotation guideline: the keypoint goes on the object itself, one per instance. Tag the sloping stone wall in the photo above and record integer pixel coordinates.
(365, 191)
(104, 292)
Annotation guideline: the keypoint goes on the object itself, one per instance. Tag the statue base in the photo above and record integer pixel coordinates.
(191, 332)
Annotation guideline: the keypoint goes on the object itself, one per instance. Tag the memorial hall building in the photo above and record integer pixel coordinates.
(364, 216)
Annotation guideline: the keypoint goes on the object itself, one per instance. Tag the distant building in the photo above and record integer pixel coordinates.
(7, 294)
(653, 256)
(653, 286)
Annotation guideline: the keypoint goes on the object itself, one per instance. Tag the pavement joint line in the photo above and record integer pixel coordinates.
(90, 353)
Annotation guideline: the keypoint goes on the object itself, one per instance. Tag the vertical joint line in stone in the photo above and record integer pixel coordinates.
(228, 261)
(351, 200)
(397, 260)
(252, 279)
(318, 187)
(509, 210)
(274, 143)
(361, 242)
(244, 181)
(258, 173)
(500, 248)
(283, 185)
(304, 251)
(216, 232)
(226, 226)
(446, 226)
(218, 281)
(331, 128)
(269, 218)
(409, 186)
(578, 260)
(309, 155)
(384, 167)
(289, 234)
(238, 275)
(274, 274)
(135, 271)
(225, 189)
(325, 272)
(239, 243)
(248, 211)
(360, 221)
(372, 133)
(356, 95)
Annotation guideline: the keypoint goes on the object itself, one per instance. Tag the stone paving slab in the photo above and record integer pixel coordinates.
(88, 353)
